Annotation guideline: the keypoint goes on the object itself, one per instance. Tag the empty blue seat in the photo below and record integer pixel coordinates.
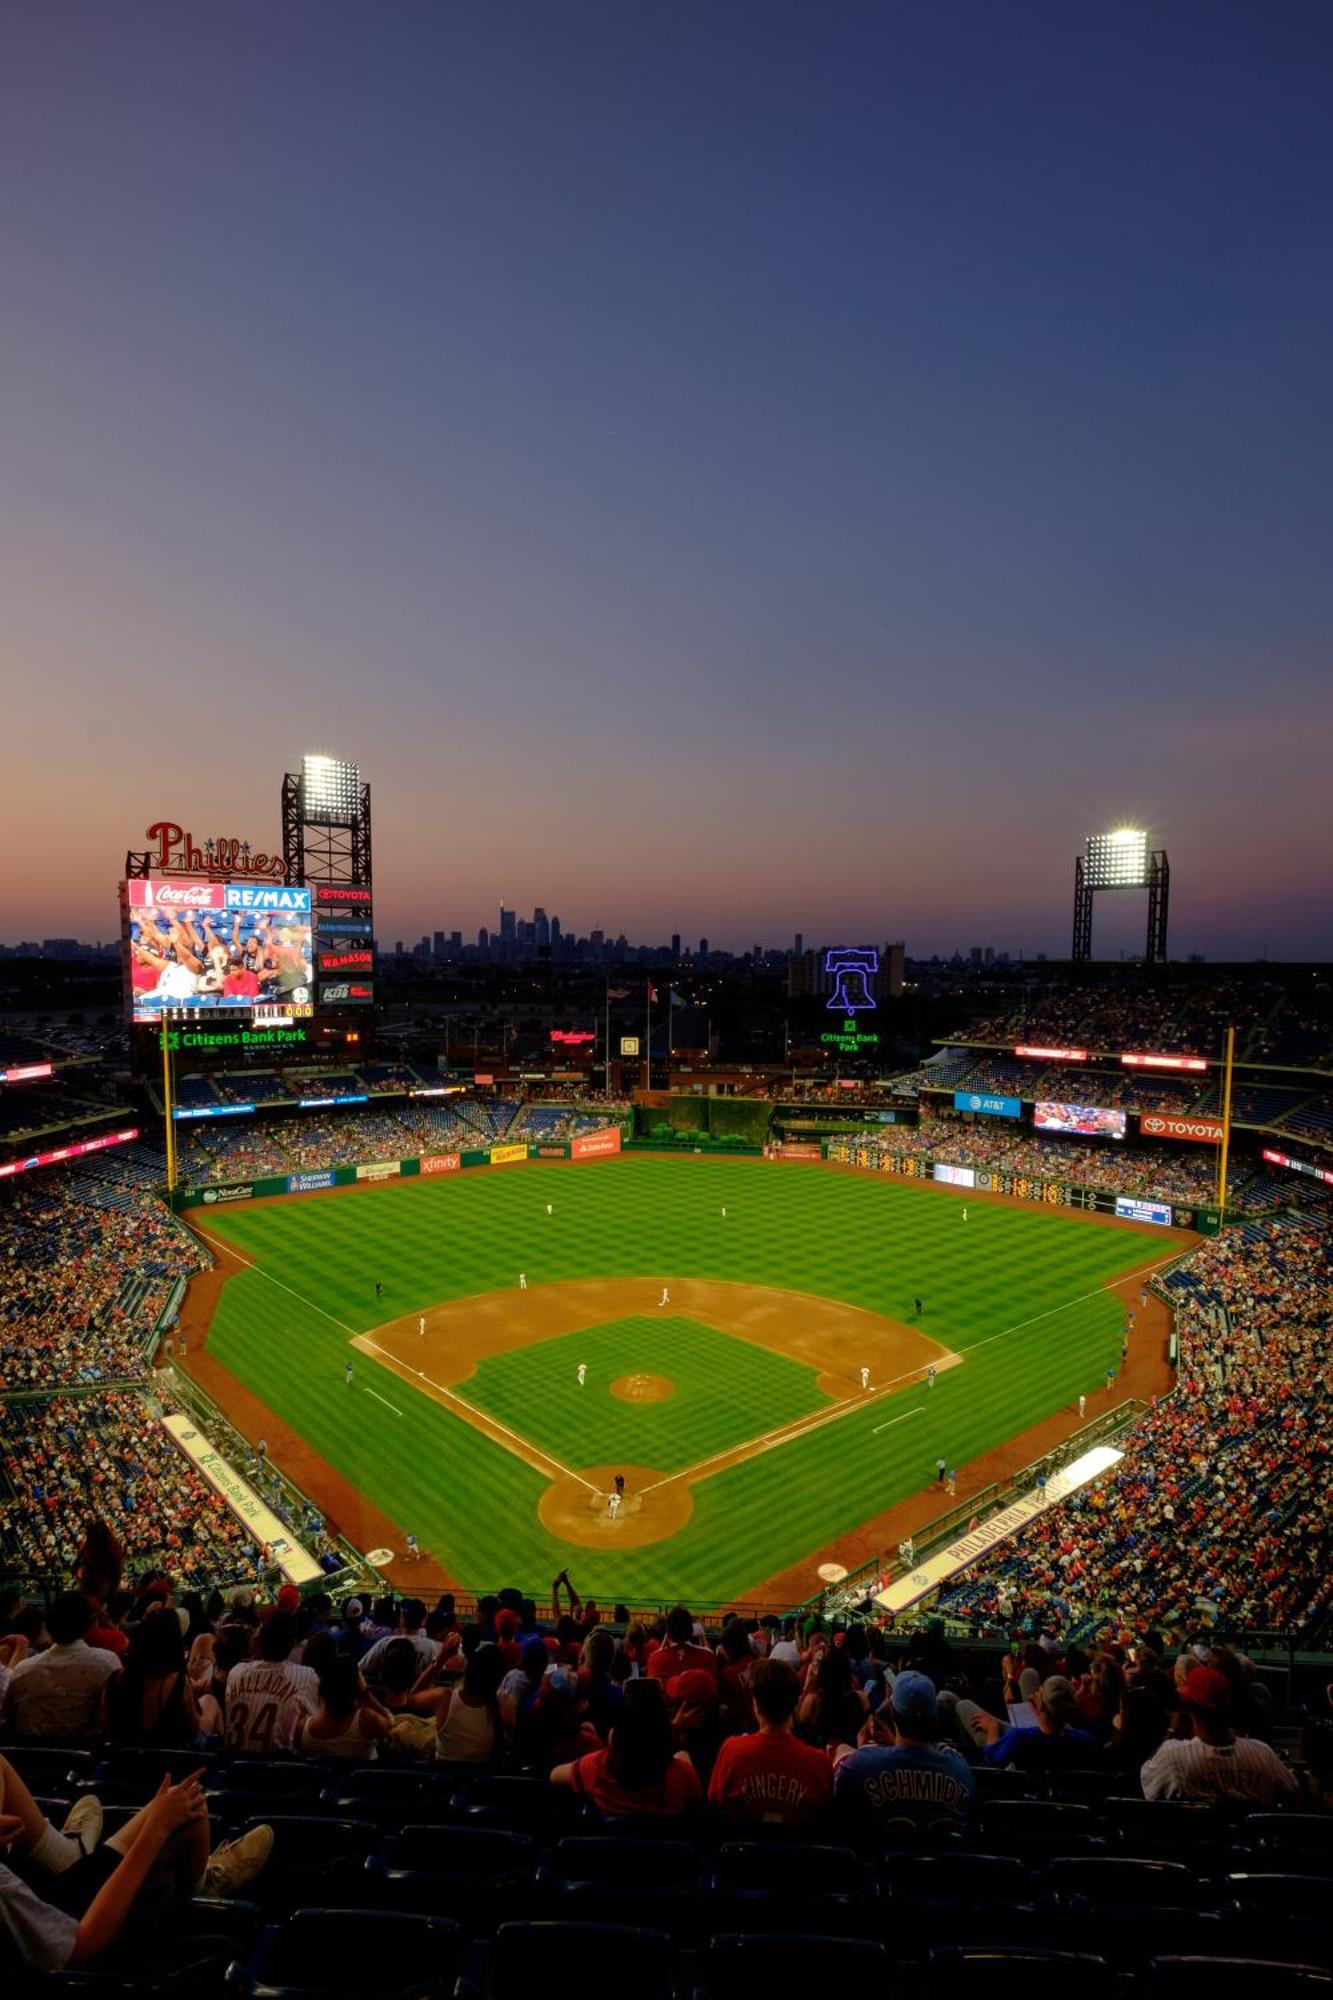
(1180, 1977)
(755, 1885)
(791, 1962)
(524, 1958)
(652, 1884)
(1036, 1829)
(982, 1972)
(475, 1874)
(314, 1855)
(372, 1952)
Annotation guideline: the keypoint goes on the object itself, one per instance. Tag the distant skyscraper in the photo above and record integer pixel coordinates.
(675, 947)
(555, 930)
(799, 946)
(541, 927)
(703, 949)
(455, 942)
(439, 944)
(483, 939)
(507, 925)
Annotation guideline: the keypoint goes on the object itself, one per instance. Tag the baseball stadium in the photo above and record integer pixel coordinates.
(420, 1376)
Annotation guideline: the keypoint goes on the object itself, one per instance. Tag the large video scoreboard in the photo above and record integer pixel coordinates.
(217, 949)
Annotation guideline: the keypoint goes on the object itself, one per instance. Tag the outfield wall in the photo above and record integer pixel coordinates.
(225, 1194)
(1054, 1193)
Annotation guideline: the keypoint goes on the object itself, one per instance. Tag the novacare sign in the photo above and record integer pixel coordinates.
(987, 1107)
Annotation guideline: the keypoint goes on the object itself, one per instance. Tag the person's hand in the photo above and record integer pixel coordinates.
(175, 1806)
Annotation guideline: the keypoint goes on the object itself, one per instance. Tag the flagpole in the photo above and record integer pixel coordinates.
(607, 983)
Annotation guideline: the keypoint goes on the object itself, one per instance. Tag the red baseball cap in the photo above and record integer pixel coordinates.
(1206, 1688)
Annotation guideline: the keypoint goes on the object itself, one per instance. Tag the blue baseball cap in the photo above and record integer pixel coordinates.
(913, 1699)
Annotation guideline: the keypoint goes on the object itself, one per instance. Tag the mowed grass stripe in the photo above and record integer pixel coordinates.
(869, 1242)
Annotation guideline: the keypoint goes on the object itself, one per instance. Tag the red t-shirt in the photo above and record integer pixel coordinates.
(669, 1660)
(773, 1777)
(678, 1791)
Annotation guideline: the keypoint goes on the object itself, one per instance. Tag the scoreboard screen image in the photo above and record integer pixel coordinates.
(217, 947)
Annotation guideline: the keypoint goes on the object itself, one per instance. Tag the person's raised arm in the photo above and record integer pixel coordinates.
(175, 1807)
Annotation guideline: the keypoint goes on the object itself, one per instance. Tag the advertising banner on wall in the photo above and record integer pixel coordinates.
(296, 1564)
(81, 1146)
(955, 1176)
(502, 1156)
(983, 1106)
(1130, 1210)
(440, 1163)
(1204, 1131)
(311, 1183)
(593, 1145)
(380, 1170)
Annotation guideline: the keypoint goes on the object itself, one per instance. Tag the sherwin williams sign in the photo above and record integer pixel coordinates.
(987, 1107)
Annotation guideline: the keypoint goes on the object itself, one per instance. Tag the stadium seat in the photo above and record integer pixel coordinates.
(519, 1805)
(980, 1972)
(652, 1884)
(380, 1952)
(753, 1886)
(790, 1962)
(978, 1877)
(46, 1767)
(1189, 1978)
(525, 1956)
(1297, 1843)
(1037, 1829)
(388, 1796)
(992, 1783)
(129, 1762)
(1103, 1882)
(314, 1854)
(474, 1874)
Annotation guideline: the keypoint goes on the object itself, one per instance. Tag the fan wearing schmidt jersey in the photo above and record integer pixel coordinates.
(900, 1776)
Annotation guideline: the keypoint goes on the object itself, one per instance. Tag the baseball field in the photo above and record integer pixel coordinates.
(699, 1326)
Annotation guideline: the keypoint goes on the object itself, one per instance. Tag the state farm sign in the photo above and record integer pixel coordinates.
(1204, 1131)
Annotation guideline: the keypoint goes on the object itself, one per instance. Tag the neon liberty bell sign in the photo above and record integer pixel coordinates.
(851, 967)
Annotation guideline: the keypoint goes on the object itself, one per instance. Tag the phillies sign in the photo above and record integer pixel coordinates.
(1204, 1131)
(177, 854)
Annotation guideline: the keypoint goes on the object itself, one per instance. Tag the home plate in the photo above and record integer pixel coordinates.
(831, 1572)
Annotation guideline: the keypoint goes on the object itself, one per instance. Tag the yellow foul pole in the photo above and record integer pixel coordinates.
(1225, 1147)
(169, 1107)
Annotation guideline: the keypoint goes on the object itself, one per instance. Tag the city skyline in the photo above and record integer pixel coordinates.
(746, 470)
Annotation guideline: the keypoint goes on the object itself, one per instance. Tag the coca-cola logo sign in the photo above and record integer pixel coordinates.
(177, 895)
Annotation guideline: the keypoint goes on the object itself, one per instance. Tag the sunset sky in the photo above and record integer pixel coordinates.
(720, 466)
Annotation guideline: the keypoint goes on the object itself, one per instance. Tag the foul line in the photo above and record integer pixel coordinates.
(898, 1420)
(1082, 1299)
(769, 1440)
(481, 1420)
(383, 1399)
(250, 1265)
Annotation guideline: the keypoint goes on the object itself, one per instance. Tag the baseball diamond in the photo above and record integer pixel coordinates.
(735, 1412)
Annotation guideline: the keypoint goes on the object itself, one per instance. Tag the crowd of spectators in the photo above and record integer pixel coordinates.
(1169, 1018)
(829, 1733)
(82, 1282)
(66, 1459)
(1109, 1165)
(1223, 1505)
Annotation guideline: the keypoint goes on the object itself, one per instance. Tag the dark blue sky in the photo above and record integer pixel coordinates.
(726, 467)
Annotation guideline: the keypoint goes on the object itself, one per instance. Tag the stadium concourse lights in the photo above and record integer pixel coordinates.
(1118, 860)
(330, 789)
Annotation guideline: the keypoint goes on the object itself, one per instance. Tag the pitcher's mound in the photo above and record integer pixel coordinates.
(649, 1512)
(642, 1388)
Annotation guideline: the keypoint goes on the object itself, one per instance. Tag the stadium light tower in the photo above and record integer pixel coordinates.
(1121, 860)
(326, 822)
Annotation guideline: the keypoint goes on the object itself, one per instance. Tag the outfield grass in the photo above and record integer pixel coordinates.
(1019, 1291)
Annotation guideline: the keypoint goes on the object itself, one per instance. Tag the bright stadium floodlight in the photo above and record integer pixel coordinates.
(1118, 860)
(330, 790)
